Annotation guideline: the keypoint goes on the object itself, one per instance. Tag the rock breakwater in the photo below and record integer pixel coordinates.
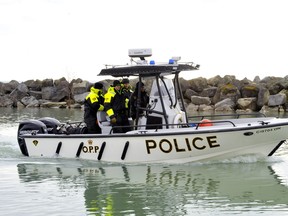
(201, 94)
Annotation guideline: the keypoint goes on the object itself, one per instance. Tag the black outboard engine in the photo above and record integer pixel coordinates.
(29, 127)
(52, 124)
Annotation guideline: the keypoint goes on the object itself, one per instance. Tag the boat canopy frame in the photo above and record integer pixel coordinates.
(146, 70)
(159, 72)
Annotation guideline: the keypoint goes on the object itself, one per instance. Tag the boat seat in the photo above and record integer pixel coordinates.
(104, 122)
(103, 118)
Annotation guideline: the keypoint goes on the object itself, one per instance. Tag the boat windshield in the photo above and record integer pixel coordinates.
(166, 89)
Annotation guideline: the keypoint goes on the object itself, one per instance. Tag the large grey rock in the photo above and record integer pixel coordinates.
(263, 97)
(215, 81)
(247, 103)
(47, 83)
(198, 84)
(225, 105)
(48, 92)
(61, 95)
(7, 88)
(34, 85)
(189, 93)
(209, 92)
(184, 84)
(80, 88)
(226, 91)
(250, 90)
(197, 100)
(36, 94)
(79, 98)
(6, 101)
(276, 100)
(30, 101)
(19, 92)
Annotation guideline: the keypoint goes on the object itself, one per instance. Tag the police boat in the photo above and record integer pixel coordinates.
(164, 134)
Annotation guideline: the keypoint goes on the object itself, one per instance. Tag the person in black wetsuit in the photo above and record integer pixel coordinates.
(93, 102)
(135, 102)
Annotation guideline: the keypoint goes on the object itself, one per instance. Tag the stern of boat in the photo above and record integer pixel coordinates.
(29, 127)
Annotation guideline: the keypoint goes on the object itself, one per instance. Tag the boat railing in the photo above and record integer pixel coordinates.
(195, 125)
(156, 127)
(232, 115)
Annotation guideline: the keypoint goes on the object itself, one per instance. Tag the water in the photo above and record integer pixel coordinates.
(240, 186)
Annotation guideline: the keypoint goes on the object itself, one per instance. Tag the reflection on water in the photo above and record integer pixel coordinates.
(167, 190)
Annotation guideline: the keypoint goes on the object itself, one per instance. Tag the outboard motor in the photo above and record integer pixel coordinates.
(52, 124)
(29, 127)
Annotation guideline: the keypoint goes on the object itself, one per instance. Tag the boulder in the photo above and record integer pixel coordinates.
(6, 101)
(250, 90)
(263, 96)
(209, 92)
(226, 91)
(276, 100)
(33, 85)
(198, 84)
(189, 93)
(48, 92)
(19, 92)
(225, 105)
(79, 98)
(247, 103)
(30, 101)
(197, 100)
(80, 88)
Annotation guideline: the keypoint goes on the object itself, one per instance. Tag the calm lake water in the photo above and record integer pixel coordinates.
(34, 187)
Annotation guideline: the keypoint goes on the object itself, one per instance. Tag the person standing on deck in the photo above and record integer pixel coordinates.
(116, 107)
(127, 91)
(126, 88)
(93, 102)
(137, 102)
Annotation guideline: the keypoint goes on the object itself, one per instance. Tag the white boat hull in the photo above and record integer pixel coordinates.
(182, 140)
(180, 145)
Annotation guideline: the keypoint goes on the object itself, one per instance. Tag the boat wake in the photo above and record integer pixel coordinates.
(283, 150)
(9, 147)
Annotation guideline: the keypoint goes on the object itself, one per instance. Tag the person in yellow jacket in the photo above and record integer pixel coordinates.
(93, 102)
(116, 107)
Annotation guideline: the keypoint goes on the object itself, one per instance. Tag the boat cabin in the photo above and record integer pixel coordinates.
(166, 105)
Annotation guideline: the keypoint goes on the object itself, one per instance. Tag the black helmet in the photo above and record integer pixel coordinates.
(139, 84)
(125, 81)
(116, 83)
(98, 85)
